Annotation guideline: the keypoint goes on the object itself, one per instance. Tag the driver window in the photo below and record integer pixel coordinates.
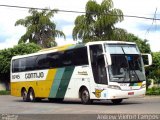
(98, 64)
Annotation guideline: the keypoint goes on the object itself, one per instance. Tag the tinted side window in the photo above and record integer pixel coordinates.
(41, 62)
(54, 59)
(98, 64)
(95, 50)
(73, 57)
(15, 66)
(67, 58)
(80, 56)
(31, 63)
(22, 64)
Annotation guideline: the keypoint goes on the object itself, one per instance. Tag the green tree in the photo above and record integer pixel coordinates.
(7, 54)
(39, 28)
(143, 45)
(154, 70)
(98, 21)
(119, 34)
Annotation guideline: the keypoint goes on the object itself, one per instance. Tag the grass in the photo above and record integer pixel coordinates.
(153, 91)
(4, 92)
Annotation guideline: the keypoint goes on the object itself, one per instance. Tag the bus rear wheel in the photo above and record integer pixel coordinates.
(85, 97)
(24, 95)
(116, 101)
(31, 95)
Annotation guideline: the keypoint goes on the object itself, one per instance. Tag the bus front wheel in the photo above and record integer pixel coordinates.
(116, 101)
(85, 97)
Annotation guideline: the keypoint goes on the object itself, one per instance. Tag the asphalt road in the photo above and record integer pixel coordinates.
(15, 105)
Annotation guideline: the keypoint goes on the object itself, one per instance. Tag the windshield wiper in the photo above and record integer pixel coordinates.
(137, 77)
(127, 70)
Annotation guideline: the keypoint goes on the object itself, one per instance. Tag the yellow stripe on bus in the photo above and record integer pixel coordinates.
(41, 88)
(44, 87)
(140, 84)
(59, 48)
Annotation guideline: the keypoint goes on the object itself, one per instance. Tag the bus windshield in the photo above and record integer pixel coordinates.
(126, 65)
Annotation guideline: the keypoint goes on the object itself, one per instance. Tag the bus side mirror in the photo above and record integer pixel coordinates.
(147, 59)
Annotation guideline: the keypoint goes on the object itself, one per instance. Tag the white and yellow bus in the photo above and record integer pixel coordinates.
(103, 70)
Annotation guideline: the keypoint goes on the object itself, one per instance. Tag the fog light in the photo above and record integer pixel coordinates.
(143, 86)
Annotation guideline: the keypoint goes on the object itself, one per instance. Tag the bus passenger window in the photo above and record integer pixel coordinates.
(42, 62)
(22, 64)
(15, 66)
(80, 56)
(67, 58)
(31, 63)
(54, 59)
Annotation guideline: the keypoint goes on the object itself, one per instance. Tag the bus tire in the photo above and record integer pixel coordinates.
(85, 97)
(31, 95)
(116, 101)
(24, 95)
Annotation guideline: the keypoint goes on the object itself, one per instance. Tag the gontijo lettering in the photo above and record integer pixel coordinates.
(34, 75)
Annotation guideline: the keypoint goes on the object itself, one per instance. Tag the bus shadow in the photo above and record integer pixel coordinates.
(107, 102)
(73, 102)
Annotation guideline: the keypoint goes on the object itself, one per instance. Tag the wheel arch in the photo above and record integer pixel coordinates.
(22, 89)
(30, 88)
(81, 88)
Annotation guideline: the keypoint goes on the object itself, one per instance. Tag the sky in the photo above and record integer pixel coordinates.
(143, 28)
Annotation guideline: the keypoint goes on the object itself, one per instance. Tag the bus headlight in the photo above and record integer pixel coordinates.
(143, 86)
(114, 87)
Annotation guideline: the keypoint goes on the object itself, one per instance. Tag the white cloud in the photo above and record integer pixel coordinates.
(68, 30)
(154, 41)
(67, 41)
(137, 7)
(141, 27)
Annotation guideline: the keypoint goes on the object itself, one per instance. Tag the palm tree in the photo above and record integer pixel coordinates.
(39, 28)
(119, 34)
(98, 21)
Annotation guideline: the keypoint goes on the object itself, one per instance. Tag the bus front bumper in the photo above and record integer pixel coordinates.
(122, 94)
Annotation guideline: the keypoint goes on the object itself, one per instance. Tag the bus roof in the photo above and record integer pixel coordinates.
(70, 46)
(110, 42)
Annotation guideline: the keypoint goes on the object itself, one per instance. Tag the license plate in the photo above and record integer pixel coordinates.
(130, 93)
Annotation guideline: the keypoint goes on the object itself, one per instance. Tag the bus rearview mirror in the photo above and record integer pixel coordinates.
(147, 59)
